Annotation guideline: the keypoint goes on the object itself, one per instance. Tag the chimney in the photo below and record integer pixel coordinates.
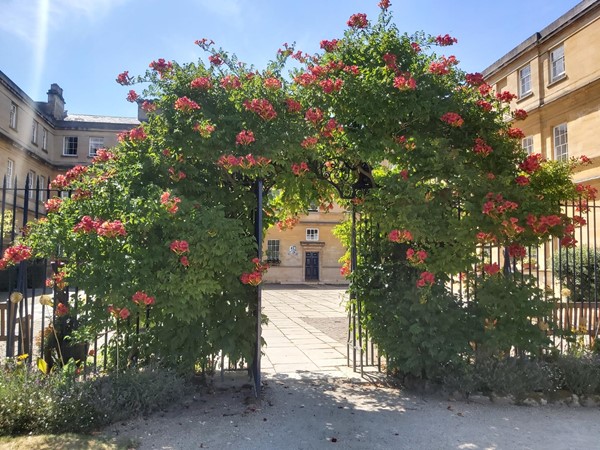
(56, 102)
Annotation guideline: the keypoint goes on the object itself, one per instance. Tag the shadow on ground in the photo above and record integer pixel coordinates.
(311, 411)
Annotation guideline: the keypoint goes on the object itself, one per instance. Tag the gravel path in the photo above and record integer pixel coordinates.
(311, 401)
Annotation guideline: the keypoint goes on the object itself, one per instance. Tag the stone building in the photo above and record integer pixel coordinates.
(556, 76)
(41, 139)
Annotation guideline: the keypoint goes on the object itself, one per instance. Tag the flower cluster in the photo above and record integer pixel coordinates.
(16, 254)
(520, 114)
(426, 278)
(53, 204)
(300, 169)
(245, 137)
(103, 155)
(216, 59)
(486, 106)
(179, 247)
(515, 133)
(142, 299)
(328, 85)
(481, 147)
(310, 142)
(586, 191)
(170, 203)
(497, 205)
(417, 257)
(124, 79)
(105, 228)
(205, 129)
(186, 105)
(262, 107)
(293, 106)
(532, 163)
(442, 67)
(522, 180)
(202, 83)
(400, 236)
(161, 66)
(540, 225)
(491, 269)
(512, 227)
(176, 175)
(62, 310)
(57, 280)
(474, 79)
(272, 83)
(148, 106)
(517, 251)
(445, 40)
(132, 96)
(486, 238)
(254, 278)
(288, 223)
(118, 313)
(358, 20)
(243, 162)
(329, 46)
(405, 82)
(453, 119)
(505, 96)
(135, 134)
(314, 115)
(230, 82)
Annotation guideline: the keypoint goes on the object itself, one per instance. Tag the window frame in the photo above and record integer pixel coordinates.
(90, 154)
(554, 63)
(45, 139)
(13, 120)
(527, 147)
(564, 146)
(273, 250)
(10, 172)
(64, 152)
(522, 92)
(312, 234)
(34, 132)
(42, 184)
(32, 177)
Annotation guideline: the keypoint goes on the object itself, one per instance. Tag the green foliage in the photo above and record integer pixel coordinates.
(581, 375)
(512, 315)
(33, 402)
(578, 270)
(422, 333)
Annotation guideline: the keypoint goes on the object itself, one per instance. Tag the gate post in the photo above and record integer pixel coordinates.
(258, 233)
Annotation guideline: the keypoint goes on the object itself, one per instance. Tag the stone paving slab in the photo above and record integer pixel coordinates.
(307, 330)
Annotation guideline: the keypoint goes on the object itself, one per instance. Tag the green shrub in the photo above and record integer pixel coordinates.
(581, 375)
(31, 402)
(579, 270)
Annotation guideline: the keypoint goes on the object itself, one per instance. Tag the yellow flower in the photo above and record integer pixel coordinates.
(565, 292)
(22, 357)
(45, 300)
(16, 297)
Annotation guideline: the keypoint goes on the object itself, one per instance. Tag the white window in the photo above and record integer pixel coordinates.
(312, 234)
(70, 146)
(45, 139)
(14, 110)
(34, 132)
(10, 173)
(527, 144)
(525, 81)
(31, 183)
(273, 250)
(96, 143)
(561, 146)
(557, 63)
(43, 187)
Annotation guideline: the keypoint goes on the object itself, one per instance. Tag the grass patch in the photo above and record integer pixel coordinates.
(66, 442)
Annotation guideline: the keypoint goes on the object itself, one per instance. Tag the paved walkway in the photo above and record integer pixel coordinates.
(307, 330)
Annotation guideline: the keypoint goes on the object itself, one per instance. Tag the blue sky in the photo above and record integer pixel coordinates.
(83, 44)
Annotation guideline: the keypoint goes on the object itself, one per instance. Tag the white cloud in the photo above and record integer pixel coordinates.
(20, 17)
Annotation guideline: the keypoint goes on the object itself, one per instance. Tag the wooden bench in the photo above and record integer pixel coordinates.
(22, 324)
